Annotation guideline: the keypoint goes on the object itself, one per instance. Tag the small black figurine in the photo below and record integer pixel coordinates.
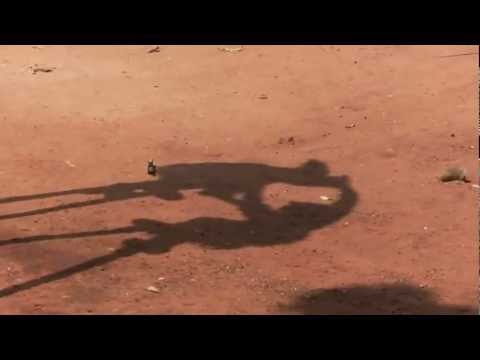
(151, 168)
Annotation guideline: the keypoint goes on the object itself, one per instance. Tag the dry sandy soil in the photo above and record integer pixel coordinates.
(291, 180)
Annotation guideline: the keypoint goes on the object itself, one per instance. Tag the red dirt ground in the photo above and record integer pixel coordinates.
(235, 223)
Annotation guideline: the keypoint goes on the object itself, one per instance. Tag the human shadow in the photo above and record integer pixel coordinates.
(263, 226)
(379, 299)
(240, 184)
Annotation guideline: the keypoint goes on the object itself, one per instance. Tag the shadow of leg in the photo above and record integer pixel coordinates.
(41, 196)
(26, 240)
(101, 260)
(54, 208)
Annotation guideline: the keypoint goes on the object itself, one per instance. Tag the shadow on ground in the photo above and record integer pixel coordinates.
(380, 299)
(238, 184)
(223, 181)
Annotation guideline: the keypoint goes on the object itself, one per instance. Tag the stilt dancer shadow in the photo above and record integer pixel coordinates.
(263, 226)
(219, 180)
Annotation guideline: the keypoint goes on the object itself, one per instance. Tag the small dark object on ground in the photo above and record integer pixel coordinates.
(454, 173)
(151, 168)
(154, 50)
(35, 70)
(290, 140)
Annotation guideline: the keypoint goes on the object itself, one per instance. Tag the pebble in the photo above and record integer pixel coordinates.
(153, 289)
(390, 152)
(454, 173)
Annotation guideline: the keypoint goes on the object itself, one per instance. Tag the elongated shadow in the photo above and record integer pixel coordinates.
(379, 299)
(82, 234)
(224, 181)
(286, 225)
(105, 259)
(263, 226)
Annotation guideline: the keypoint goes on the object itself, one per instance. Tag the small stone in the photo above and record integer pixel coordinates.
(454, 173)
(239, 196)
(389, 153)
(263, 97)
(153, 289)
(231, 50)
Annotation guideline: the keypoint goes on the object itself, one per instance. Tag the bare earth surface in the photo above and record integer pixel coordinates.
(291, 180)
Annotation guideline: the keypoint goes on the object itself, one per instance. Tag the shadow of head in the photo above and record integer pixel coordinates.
(314, 167)
(381, 299)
